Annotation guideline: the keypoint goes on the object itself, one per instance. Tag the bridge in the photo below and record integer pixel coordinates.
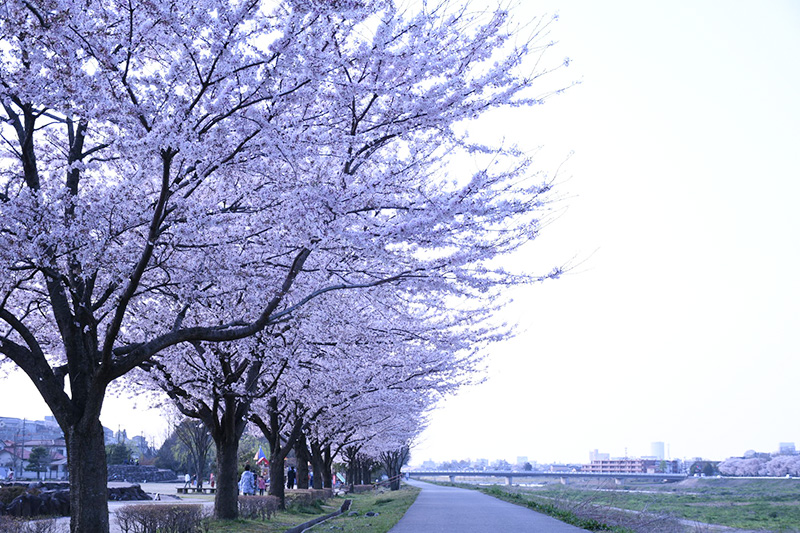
(564, 477)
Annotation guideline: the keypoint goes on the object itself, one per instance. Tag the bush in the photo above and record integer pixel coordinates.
(258, 507)
(9, 493)
(10, 524)
(162, 518)
(300, 498)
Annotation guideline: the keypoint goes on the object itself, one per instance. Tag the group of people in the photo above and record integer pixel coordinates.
(191, 481)
(250, 481)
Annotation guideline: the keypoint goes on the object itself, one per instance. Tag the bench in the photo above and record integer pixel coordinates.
(203, 490)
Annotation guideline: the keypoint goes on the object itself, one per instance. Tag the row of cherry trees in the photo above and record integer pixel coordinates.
(355, 371)
(779, 466)
(244, 201)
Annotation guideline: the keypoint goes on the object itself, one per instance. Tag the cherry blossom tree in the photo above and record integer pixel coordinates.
(393, 461)
(161, 159)
(784, 465)
(216, 385)
(197, 442)
(737, 466)
(778, 466)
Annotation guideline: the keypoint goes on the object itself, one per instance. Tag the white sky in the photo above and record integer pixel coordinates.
(680, 324)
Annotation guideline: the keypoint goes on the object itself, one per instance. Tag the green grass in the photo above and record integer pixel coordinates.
(549, 508)
(772, 505)
(767, 505)
(390, 505)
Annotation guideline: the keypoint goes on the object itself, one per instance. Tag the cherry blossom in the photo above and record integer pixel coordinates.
(179, 174)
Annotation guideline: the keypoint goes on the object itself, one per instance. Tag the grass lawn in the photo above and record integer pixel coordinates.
(390, 507)
(758, 504)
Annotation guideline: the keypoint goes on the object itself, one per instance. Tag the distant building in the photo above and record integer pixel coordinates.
(18, 436)
(18, 429)
(632, 466)
(555, 467)
(595, 455)
(615, 466)
(786, 448)
(657, 450)
(14, 455)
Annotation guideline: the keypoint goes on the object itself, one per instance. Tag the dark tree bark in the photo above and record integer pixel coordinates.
(327, 472)
(366, 471)
(225, 423)
(226, 498)
(353, 471)
(88, 474)
(279, 449)
(393, 462)
(226, 418)
(317, 464)
(277, 480)
(303, 456)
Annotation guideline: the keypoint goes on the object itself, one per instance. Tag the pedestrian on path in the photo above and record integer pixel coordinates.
(248, 482)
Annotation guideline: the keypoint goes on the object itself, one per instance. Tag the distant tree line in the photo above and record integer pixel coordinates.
(778, 466)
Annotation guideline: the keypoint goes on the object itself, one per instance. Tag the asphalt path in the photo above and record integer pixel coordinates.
(450, 510)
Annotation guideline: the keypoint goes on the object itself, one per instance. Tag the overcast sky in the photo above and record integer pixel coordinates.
(679, 322)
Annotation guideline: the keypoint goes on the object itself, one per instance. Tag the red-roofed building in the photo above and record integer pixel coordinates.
(15, 456)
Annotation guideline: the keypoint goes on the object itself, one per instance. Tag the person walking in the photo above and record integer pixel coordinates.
(290, 477)
(247, 484)
(262, 485)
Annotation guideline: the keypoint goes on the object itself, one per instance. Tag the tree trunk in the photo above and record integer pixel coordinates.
(199, 469)
(317, 465)
(278, 450)
(277, 483)
(327, 471)
(226, 499)
(366, 469)
(88, 474)
(393, 461)
(302, 455)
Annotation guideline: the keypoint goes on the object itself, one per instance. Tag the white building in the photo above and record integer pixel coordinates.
(657, 450)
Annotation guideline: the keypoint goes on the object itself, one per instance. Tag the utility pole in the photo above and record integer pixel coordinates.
(22, 456)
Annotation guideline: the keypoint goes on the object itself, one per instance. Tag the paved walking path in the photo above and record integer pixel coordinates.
(451, 510)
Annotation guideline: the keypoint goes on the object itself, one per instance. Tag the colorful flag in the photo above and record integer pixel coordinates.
(260, 457)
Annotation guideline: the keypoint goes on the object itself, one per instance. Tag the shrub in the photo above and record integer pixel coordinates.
(10, 524)
(9, 493)
(301, 497)
(162, 519)
(258, 507)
